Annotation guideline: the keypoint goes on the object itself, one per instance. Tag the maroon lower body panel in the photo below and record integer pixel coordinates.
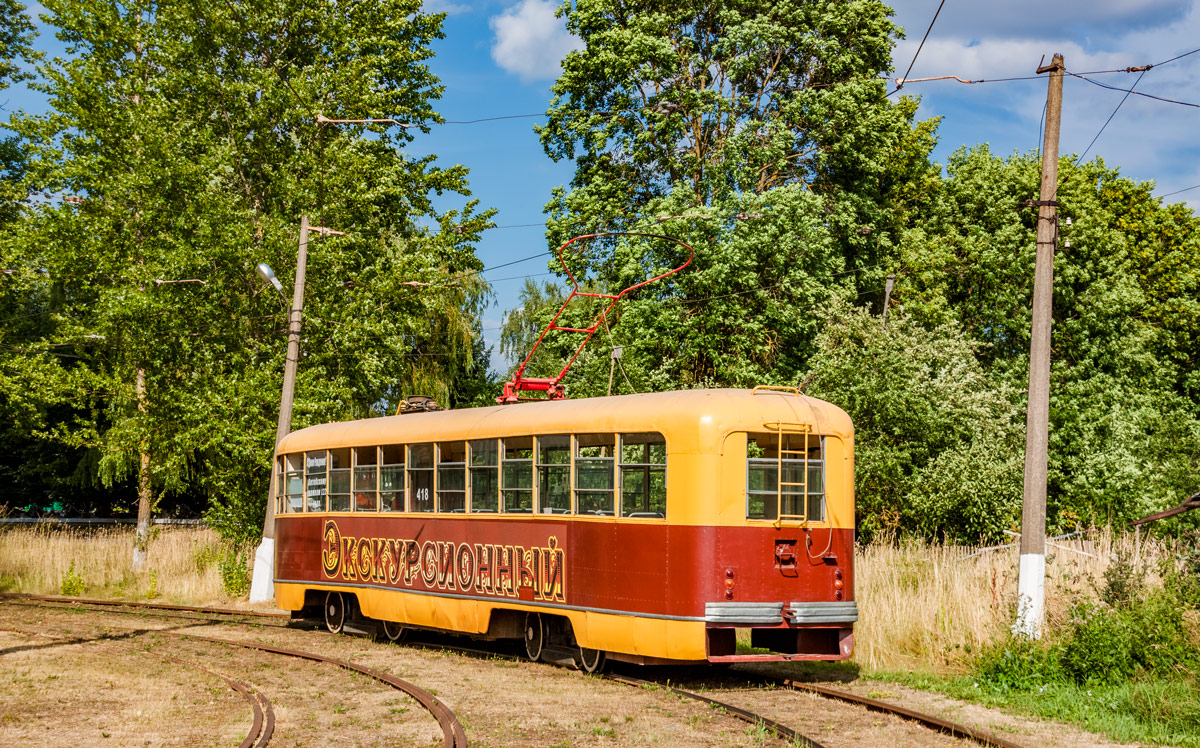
(787, 585)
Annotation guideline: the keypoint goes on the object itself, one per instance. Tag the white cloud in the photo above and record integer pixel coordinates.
(530, 41)
(1147, 140)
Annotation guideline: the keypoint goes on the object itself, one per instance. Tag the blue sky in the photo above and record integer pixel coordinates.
(500, 57)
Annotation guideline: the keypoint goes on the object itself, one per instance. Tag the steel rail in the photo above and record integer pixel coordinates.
(780, 730)
(452, 730)
(263, 719)
(934, 723)
(152, 606)
(453, 734)
(264, 716)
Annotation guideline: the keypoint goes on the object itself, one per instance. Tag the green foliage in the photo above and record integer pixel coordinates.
(784, 173)
(937, 443)
(72, 584)
(235, 572)
(1018, 665)
(1135, 631)
(186, 139)
(1124, 439)
(1173, 704)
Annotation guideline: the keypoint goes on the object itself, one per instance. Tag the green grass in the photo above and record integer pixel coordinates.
(1143, 710)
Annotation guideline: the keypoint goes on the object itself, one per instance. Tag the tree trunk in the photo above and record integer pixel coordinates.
(142, 538)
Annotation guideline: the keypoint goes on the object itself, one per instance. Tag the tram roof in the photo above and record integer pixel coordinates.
(683, 416)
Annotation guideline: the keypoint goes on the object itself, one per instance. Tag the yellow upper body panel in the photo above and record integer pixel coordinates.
(692, 421)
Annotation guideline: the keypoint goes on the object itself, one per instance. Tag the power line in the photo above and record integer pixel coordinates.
(900, 82)
(1176, 57)
(1114, 114)
(1131, 91)
(1176, 192)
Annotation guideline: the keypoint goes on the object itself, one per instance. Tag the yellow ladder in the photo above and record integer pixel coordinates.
(782, 431)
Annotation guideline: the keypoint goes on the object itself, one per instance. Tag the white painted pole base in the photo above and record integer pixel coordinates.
(1031, 596)
(262, 583)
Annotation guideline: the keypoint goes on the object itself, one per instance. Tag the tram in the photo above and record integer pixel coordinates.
(677, 527)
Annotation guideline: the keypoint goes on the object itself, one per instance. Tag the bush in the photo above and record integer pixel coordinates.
(72, 582)
(1099, 648)
(1017, 665)
(235, 573)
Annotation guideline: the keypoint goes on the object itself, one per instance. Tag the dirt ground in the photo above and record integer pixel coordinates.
(75, 678)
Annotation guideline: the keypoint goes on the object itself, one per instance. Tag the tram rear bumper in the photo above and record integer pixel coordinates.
(796, 631)
(772, 614)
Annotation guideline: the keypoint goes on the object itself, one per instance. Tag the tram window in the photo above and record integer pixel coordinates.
(801, 493)
(315, 480)
(366, 479)
(643, 475)
(420, 477)
(293, 483)
(516, 475)
(452, 477)
(485, 484)
(339, 480)
(594, 473)
(554, 474)
(391, 477)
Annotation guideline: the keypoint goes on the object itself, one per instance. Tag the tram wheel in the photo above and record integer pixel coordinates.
(535, 635)
(335, 612)
(394, 631)
(592, 660)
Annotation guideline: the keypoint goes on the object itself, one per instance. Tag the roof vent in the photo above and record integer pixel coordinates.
(418, 404)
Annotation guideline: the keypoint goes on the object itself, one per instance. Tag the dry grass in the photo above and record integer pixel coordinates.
(926, 607)
(922, 607)
(182, 564)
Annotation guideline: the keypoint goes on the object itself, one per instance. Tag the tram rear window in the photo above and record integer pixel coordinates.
(785, 476)
(589, 475)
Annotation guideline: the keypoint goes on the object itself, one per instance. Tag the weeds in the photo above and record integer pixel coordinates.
(72, 582)
(235, 573)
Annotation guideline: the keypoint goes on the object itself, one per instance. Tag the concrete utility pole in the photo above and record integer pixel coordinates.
(262, 585)
(1031, 585)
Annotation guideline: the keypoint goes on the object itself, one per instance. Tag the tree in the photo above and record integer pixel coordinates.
(759, 133)
(937, 443)
(1123, 427)
(189, 143)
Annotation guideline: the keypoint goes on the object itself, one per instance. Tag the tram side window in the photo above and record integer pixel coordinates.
(643, 475)
(420, 477)
(485, 483)
(594, 473)
(452, 477)
(315, 480)
(800, 495)
(366, 479)
(554, 474)
(292, 486)
(339, 480)
(391, 477)
(516, 475)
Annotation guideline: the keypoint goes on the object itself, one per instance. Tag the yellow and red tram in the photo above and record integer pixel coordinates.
(649, 528)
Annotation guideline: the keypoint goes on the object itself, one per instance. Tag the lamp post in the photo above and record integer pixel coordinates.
(262, 585)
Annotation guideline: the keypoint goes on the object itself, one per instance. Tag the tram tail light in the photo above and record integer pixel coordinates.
(729, 584)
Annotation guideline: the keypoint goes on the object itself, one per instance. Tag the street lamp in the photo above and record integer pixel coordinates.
(262, 584)
(268, 275)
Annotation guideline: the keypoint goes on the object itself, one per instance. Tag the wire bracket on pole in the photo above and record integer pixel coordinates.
(553, 386)
(1039, 204)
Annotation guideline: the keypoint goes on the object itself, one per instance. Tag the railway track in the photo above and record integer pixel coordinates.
(454, 736)
(263, 715)
(258, 737)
